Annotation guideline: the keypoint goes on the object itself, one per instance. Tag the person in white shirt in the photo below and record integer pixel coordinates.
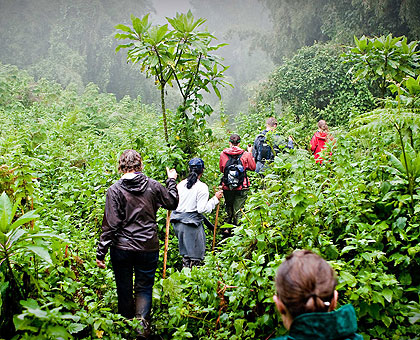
(187, 219)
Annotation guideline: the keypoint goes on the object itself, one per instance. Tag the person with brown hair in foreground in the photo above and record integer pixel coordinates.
(306, 299)
(129, 229)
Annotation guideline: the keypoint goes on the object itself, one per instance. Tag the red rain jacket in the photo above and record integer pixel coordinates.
(318, 144)
(248, 162)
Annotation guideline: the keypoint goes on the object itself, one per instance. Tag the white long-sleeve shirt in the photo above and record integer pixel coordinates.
(196, 198)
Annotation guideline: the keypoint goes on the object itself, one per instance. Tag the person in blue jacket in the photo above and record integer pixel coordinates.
(268, 144)
(306, 299)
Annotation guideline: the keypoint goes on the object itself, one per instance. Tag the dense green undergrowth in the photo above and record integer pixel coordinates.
(58, 153)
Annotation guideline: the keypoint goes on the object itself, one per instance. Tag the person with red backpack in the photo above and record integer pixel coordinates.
(234, 162)
(319, 139)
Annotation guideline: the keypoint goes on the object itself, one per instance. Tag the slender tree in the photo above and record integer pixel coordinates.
(179, 55)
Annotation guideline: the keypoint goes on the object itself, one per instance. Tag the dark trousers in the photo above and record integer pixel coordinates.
(234, 202)
(143, 265)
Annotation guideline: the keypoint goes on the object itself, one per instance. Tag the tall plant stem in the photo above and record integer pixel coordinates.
(162, 102)
(14, 285)
(410, 184)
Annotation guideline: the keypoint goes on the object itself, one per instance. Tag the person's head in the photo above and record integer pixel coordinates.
(234, 139)
(196, 167)
(305, 283)
(322, 125)
(130, 161)
(271, 123)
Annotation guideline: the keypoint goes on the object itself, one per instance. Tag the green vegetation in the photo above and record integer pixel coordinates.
(180, 56)
(301, 24)
(361, 210)
(315, 83)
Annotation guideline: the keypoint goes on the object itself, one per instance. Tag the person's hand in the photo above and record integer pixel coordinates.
(171, 173)
(100, 264)
(291, 138)
(219, 194)
(249, 148)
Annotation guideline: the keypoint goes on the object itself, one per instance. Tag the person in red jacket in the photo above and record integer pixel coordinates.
(234, 162)
(319, 139)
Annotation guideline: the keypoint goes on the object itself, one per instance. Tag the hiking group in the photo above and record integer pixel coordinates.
(129, 227)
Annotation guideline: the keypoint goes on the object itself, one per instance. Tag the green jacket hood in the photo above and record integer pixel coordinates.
(340, 324)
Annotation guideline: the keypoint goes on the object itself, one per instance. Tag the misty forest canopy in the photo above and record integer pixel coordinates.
(69, 105)
(72, 41)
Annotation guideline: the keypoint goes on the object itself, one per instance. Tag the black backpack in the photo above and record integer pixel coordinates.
(234, 174)
(265, 150)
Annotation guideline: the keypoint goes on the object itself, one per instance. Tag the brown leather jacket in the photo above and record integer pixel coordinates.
(130, 213)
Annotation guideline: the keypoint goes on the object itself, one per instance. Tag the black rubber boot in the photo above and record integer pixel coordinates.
(186, 262)
(196, 263)
(143, 332)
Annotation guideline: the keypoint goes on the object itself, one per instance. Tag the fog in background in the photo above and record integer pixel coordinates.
(72, 42)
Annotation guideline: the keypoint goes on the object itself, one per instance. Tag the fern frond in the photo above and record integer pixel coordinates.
(384, 118)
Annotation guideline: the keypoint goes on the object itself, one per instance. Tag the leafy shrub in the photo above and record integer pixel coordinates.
(314, 83)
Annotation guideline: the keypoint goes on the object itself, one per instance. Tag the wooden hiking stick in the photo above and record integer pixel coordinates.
(215, 226)
(165, 254)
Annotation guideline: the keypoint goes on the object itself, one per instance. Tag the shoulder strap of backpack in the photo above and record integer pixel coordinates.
(245, 175)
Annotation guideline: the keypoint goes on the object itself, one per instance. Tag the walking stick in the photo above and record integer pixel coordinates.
(165, 254)
(215, 226)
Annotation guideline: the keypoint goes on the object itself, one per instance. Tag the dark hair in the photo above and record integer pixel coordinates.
(305, 283)
(130, 160)
(234, 139)
(193, 176)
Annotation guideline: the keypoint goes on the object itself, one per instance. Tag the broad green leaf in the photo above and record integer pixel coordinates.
(396, 163)
(387, 294)
(393, 63)
(407, 71)
(216, 90)
(145, 21)
(27, 217)
(5, 212)
(120, 36)
(21, 323)
(75, 318)
(414, 318)
(416, 166)
(58, 332)
(29, 303)
(41, 251)
(76, 327)
(123, 46)
(161, 32)
(386, 320)
(348, 278)
(14, 235)
(296, 199)
(39, 313)
(413, 85)
(377, 297)
(123, 28)
(137, 25)
(346, 249)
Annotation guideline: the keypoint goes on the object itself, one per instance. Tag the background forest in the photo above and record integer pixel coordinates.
(69, 105)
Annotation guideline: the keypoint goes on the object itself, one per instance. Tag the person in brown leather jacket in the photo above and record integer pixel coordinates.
(129, 229)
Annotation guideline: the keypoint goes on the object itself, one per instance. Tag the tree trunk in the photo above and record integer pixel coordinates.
(162, 101)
